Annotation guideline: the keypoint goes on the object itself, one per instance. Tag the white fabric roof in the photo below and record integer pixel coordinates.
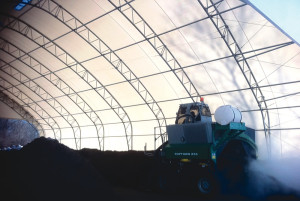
(110, 74)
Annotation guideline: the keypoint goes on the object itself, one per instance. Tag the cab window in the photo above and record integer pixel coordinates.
(181, 112)
(194, 110)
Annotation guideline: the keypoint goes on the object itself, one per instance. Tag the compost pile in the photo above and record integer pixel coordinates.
(128, 168)
(47, 170)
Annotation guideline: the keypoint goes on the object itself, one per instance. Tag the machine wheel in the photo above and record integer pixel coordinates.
(204, 185)
(207, 184)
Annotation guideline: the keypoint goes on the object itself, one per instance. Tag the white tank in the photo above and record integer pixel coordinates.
(226, 114)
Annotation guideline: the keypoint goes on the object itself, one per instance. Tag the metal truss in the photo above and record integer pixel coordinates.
(35, 107)
(104, 50)
(158, 45)
(171, 30)
(50, 46)
(59, 84)
(22, 112)
(38, 90)
(260, 50)
(264, 50)
(218, 21)
(203, 95)
(250, 54)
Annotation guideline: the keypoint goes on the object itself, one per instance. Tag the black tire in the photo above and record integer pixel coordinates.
(205, 185)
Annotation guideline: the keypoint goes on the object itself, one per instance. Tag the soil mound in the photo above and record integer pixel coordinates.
(47, 170)
(128, 169)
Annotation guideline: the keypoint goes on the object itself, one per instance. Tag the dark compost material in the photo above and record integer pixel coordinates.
(47, 170)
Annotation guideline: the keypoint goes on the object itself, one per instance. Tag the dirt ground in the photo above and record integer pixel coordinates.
(125, 194)
(46, 170)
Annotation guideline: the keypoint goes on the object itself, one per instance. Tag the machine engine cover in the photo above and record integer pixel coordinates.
(190, 133)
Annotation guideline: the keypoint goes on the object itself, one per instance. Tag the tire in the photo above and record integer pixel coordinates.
(207, 184)
(204, 185)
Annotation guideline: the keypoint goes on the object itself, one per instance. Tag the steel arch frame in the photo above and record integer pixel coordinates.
(22, 96)
(77, 68)
(158, 45)
(232, 56)
(239, 57)
(37, 89)
(174, 29)
(22, 112)
(160, 35)
(102, 48)
(57, 82)
(90, 115)
(266, 50)
(36, 108)
(27, 30)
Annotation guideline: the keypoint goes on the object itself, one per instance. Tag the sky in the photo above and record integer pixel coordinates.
(285, 13)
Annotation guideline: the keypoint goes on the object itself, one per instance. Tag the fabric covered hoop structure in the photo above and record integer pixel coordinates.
(111, 74)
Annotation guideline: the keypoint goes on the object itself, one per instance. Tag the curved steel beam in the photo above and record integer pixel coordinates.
(22, 112)
(94, 41)
(56, 81)
(23, 97)
(161, 49)
(29, 32)
(219, 23)
(69, 20)
(35, 107)
(38, 90)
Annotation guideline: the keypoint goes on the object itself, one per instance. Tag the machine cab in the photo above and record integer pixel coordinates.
(193, 113)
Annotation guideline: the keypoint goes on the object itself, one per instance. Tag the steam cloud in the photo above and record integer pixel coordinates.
(274, 177)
